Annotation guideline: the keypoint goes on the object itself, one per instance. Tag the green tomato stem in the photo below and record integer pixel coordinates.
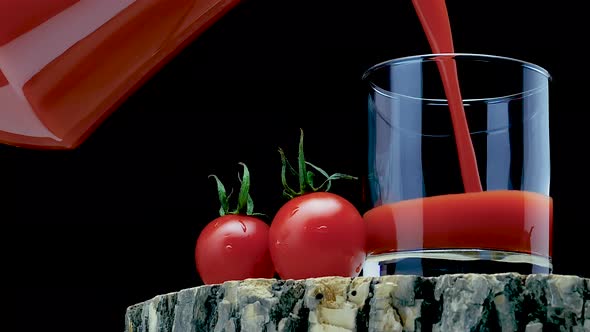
(303, 177)
(243, 200)
(306, 178)
(224, 209)
(245, 204)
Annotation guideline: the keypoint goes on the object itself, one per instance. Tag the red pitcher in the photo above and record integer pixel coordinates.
(65, 65)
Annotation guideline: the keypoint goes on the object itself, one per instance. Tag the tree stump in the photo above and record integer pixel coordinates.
(459, 302)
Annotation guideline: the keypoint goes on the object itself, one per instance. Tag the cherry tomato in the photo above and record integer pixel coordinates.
(233, 247)
(315, 235)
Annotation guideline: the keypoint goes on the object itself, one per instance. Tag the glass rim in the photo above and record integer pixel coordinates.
(421, 57)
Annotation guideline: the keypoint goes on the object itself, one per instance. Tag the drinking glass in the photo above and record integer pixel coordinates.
(422, 221)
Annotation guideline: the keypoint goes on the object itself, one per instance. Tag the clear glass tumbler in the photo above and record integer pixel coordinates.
(422, 220)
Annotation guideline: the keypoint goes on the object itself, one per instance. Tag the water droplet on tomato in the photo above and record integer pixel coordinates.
(321, 228)
(358, 268)
(244, 228)
(294, 211)
(229, 247)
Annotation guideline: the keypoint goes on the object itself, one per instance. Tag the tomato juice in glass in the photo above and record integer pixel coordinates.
(422, 220)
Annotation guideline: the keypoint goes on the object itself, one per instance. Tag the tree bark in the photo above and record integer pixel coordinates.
(461, 302)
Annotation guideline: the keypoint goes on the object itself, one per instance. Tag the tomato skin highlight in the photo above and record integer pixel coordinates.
(316, 235)
(233, 247)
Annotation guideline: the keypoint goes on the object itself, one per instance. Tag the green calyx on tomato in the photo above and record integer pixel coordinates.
(234, 246)
(306, 178)
(245, 202)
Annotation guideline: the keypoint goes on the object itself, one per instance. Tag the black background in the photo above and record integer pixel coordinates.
(88, 232)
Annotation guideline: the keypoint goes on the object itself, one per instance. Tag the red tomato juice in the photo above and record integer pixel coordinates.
(507, 220)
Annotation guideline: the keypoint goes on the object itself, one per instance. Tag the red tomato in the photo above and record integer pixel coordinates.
(315, 235)
(233, 247)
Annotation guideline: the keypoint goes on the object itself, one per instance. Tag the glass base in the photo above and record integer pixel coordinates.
(432, 263)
